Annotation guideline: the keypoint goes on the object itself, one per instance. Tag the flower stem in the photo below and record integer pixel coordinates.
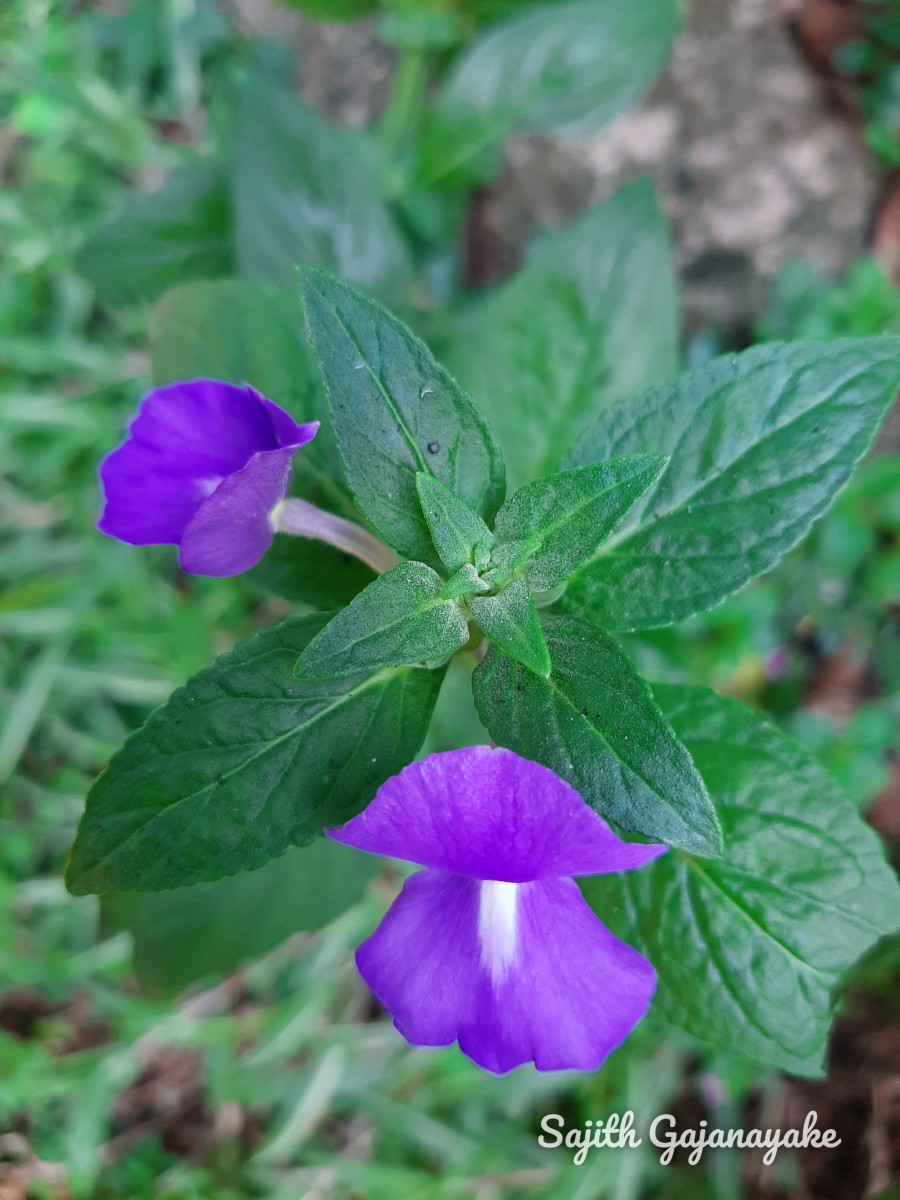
(301, 519)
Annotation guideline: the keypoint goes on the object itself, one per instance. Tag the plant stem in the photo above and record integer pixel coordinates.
(301, 519)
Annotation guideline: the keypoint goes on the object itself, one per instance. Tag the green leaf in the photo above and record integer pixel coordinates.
(307, 193)
(609, 327)
(396, 412)
(748, 949)
(398, 620)
(464, 582)
(508, 557)
(620, 256)
(564, 68)
(181, 232)
(305, 571)
(595, 723)
(761, 443)
(573, 513)
(511, 621)
(212, 928)
(459, 534)
(243, 762)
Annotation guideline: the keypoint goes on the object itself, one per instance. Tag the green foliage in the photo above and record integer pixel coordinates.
(595, 723)
(210, 929)
(609, 327)
(760, 443)
(563, 68)
(510, 620)
(749, 948)
(396, 413)
(460, 536)
(571, 514)
(177, 233)
(251, 761)
(400, 619)
(307, 193)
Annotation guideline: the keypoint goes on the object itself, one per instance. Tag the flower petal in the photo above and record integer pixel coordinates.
(186, 439)
(147, 504)
(492, 815)
(542, 980)
(232, 529)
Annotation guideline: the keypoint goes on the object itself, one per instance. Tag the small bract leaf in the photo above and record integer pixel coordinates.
(463, 582)
(458, 533)
(400, 619)
(511, 621)
(573, 513)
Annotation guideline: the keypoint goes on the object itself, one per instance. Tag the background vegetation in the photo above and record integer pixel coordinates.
(280, 1080)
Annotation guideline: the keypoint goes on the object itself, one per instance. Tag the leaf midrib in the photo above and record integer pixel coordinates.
(682, 501)
(385, 395)
(220, 780)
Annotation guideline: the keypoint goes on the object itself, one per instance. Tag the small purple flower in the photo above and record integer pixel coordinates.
(204, 465)
(493, 945)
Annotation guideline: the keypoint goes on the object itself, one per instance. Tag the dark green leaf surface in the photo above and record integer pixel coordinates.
(760, 443)
(305, 571)
(459, 535)
(572, 513)
(609, 327)
(398, 620)
(511, 622)
(307, 193)
(243, 762)
(595, 723)
(396, 412)
(181, 232)
(749, 948)
(564, 68)
(212, 928)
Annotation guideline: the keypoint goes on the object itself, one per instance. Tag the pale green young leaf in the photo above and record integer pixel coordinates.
(400, 619)
(511, 621)
(459, 534)
(572, 513)
(464, 582)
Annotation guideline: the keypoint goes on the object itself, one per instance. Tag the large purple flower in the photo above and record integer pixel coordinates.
(493, 946)
(204, 465)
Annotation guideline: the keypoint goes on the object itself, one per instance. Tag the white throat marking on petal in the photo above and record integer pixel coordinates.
(497, 921)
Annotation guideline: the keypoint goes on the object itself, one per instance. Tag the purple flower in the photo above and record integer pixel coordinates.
(204, 465)
(493, 945)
